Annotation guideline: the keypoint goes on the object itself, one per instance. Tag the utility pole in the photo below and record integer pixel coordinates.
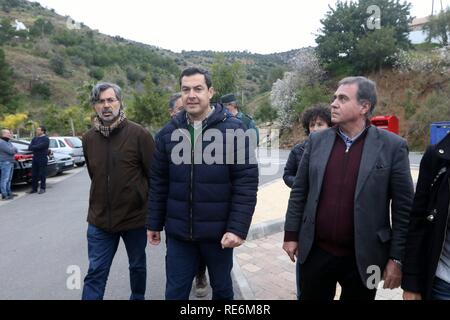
(73, 127)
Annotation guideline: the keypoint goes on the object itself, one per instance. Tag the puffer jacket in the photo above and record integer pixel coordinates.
(201, 202)
(119, 167)
(295, 156)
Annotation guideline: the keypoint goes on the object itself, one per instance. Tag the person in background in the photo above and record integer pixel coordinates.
(426, 269)
(175, 104)
(7, 152)
(39, 145)
(314, 119)
(229, 101)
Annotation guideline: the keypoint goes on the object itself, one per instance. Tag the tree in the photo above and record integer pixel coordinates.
(265, 112)
(375, 50)
(226, 78)
(8, 98)
(350, 22)
(41, 27)
(7, 32)
(308, 96)
(84, 95)
(151, 108)
(14, 121)
(7, 5)
(58, 65)
(42, 90)
(439, 27)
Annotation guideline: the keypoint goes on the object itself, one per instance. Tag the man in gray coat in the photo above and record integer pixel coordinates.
(7, 152)
(353, 179)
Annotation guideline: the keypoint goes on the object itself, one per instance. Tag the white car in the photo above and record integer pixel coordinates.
(69, 145)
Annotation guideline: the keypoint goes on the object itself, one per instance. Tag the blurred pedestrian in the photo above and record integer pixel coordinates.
(7, 152)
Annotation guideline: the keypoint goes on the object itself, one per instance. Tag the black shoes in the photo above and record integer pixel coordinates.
(201, 286)
(35, 191)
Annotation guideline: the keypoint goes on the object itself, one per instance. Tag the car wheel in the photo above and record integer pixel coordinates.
(80, 164)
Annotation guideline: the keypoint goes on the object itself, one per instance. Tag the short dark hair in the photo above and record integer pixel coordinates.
(321, 111)
(173, 99)
(367, 90)
(43, 129)
(190, 71)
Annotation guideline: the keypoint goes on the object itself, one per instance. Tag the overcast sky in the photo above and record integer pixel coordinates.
(263, 26)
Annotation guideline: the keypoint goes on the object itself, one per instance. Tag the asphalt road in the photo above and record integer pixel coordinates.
(41, 236)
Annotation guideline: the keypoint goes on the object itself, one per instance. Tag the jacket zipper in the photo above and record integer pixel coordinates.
(191, 215)
(108, 183)
(191, 218)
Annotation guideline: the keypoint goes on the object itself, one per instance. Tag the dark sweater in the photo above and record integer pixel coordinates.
(39, 146)
(335, 211)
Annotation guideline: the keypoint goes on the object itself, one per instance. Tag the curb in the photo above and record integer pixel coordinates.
(265, 229)
(260, 230)
(241, 281)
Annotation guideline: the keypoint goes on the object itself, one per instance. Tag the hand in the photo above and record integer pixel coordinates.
(230, 240)
(291, 248)
(392, 275)
(154, 237)
(408, 295)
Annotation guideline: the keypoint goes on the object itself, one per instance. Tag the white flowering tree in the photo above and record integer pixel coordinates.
(306, 71)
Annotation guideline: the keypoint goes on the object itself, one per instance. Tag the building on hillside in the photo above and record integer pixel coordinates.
(19, 26)
(417, 35)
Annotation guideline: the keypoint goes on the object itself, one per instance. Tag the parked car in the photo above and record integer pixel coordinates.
(69, 145)
(64, 162)
(23, 163)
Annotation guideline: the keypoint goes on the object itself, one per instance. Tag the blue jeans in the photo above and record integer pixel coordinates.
(182, 261)
(102, 247)
(441, 290)
(38, 173)
(7, 169)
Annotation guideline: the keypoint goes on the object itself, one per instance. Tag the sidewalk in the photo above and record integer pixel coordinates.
(261, 267)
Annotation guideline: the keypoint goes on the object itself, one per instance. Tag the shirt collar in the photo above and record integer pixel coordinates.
(349, 142)
(193, 123)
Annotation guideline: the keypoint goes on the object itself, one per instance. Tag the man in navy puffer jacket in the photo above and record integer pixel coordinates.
(203, 189)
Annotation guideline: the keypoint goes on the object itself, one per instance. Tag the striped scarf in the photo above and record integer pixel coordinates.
(106, 130)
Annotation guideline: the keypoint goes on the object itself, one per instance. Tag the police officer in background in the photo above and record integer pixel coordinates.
(229, 101)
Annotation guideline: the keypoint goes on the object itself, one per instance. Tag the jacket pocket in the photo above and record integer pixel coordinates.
(384, 235)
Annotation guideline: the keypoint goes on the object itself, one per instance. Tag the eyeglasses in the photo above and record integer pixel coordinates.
(109, 101)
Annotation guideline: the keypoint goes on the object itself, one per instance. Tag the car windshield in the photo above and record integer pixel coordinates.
(74, 142)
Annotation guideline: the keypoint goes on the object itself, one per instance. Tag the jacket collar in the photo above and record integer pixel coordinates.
(219, 115)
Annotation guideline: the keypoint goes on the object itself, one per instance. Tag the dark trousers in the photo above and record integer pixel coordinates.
(322, 271)
(441, 290)
(102, 247)
(201, 268)
(182, 262)
(38, 173)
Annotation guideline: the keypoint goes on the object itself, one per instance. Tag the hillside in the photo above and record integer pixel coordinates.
(55, 59)
(55, 63)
